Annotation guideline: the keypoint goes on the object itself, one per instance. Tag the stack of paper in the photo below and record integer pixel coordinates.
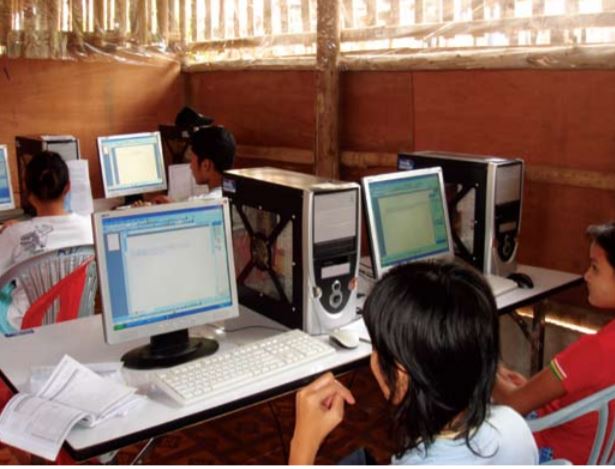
(39, 423)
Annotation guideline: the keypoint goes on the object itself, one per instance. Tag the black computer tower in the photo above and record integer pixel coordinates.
(66, 146)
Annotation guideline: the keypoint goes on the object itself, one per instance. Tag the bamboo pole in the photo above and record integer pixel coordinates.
(418, 11)
(305, 16)
(99, 21)
(283, 15)
(394, 13)
(122, 20)
(163, 20)
(53, 28)
(267, 17)
(142, 22)
(222, 20)
(250, 17)
(77, 24)
(194, 19)
(370, 17)
(327, 89)
(348, 14)
(183, 27)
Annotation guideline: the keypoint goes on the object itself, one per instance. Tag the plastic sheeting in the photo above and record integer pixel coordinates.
(373, 33)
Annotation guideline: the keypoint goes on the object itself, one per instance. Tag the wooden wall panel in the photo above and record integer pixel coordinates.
(550, 118)
(376, 112)
(268, 108)
(555, 218)
(85, 100)
(562, 118)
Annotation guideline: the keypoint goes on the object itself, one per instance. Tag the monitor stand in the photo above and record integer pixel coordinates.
(170, 349)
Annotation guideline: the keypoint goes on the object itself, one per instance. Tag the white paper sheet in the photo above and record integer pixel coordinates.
(182, 185)
(79, 199)
(73, 393)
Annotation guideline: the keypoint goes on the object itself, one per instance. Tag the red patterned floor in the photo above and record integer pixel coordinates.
(261, 434)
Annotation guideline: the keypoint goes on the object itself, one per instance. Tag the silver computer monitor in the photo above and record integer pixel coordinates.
(7, 201)
(132, 164)
(407, 218)
(162, 270)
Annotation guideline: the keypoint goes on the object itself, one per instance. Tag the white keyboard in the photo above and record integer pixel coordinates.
(223, 371)
(500, 285)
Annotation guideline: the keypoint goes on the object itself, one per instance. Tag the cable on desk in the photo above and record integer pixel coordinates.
(280, 432)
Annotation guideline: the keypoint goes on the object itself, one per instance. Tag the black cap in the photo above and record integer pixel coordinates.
(214, 143)
(189, 119)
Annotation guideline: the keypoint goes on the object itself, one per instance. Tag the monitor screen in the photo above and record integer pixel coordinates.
(407, 218)
(132, 164)
(6, 189)
(165, 268)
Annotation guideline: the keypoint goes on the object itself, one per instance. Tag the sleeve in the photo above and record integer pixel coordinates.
(579, 365)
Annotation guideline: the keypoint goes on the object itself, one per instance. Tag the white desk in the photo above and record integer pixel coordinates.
(546, 283)
(83, 340)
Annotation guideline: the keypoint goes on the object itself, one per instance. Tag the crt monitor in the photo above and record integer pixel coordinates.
(7, 202)
(164, 269)
(407, 218)
(132, 164)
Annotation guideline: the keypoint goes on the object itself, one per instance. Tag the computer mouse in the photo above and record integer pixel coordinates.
(344, 338)
(523, 280)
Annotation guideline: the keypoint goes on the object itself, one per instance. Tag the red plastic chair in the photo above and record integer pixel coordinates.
(69, 291)
(58, 285)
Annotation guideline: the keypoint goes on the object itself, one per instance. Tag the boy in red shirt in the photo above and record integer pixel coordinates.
(580, 370)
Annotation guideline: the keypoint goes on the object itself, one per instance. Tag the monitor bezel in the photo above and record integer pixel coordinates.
(4, 154)
(146, 331)
(376, 257)
(109, 193)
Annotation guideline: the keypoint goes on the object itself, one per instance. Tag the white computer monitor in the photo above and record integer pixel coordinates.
(407, 218)
(7, 202)
(132, 164)
(163, 269)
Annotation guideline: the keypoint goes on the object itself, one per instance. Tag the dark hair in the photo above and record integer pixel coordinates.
(214, 143)
(604, 236)
(46, 175)
(439, 322)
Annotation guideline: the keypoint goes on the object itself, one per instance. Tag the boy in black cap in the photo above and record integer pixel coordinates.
(212, 151)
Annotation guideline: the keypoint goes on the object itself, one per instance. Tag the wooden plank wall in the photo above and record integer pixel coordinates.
(85, 100)
(264, 110)
(550, 118)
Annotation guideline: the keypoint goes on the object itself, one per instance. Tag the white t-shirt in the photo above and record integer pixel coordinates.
(503, 439)
(41, 234)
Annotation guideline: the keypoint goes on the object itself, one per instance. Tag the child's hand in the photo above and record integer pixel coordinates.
(319, 409)
(511, 377)
(161, 199)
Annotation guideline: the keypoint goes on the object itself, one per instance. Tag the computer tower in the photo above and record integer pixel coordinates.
(66, 146)
(485, 197)
(175, 143)
(297, 246)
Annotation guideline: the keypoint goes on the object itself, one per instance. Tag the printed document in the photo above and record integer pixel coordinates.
(73, 394)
